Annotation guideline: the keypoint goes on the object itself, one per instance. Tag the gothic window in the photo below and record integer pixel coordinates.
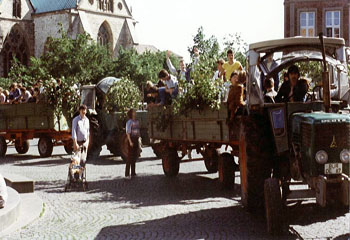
(103, 37)
(14, 46)
(106, 5)
(16, 9)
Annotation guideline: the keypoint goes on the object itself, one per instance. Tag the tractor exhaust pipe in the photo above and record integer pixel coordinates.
(326, 85)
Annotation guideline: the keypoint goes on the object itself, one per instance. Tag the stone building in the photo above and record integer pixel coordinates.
(310, 17)
(25, 25)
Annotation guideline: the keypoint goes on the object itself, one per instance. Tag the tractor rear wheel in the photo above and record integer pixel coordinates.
(171, 162)
(273, 206)
(211, 159)
(3, 147)
(227, 170)
(45, 146)
(21, 148)
(255, 160)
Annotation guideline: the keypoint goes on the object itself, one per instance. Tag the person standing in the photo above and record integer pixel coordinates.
(231, 65)
(236, 94)
(133, 135)
(81, 134)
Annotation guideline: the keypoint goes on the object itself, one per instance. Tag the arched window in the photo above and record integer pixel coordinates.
(103, 36)
(16, 9)
(14, 46)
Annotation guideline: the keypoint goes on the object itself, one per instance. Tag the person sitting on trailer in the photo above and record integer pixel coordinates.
(171, 83)
(236, 94)
(15, 93)
(25, 95)
(2, 96)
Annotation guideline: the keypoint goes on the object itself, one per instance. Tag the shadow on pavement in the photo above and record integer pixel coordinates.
(153, 190)
(309, 213)
(113, 160)
(217, 223)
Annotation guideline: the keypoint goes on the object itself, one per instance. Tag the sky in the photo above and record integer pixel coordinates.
(169, 24)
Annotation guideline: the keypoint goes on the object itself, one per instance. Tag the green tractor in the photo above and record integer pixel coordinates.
(108, 128)
(296, 143)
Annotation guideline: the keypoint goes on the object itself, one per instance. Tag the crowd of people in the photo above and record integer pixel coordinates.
(231, 73)
(20, 94)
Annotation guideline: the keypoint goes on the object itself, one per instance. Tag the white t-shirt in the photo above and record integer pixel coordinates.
(27, 96)
(3, 191)
(172, 82)
(2, 98)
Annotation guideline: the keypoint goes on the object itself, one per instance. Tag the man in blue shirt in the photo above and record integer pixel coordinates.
(81, 134)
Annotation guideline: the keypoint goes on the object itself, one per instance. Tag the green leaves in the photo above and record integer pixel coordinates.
(122, 96)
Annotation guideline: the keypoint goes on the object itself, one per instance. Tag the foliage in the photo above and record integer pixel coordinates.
(141, 68)
(210, 47)
(122, 96)
(311, 70)
(203, 92)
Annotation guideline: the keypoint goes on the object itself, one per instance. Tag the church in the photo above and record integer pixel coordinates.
(25, 26)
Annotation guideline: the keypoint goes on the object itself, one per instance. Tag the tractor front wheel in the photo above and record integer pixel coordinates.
(273, 206)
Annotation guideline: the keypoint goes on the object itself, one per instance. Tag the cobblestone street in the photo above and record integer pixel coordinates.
(151, 206)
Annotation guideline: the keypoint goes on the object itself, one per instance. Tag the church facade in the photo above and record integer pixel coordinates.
(25, 26)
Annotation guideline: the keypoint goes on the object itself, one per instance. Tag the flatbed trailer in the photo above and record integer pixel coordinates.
(206, 131)
(20, 123)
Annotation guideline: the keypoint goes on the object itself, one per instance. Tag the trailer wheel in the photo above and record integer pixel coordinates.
(255, 150)
(211, 159)
(227, 170)
(273, 206)
(45, 146)
(171, 162)
(157, 149)
(3, 147)
(68, 146)
(21, 149)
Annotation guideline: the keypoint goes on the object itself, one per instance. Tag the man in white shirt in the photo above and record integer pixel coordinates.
(171, 83)
(3, 192)
(81, 134)
(25, 95)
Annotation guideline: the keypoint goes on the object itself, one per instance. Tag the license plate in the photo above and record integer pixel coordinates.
(333, 168)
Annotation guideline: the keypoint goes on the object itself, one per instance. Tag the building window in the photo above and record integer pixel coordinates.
(16, 10)
(106, 5)
(307, 24)
(333, 24)
(103, 36)
(14, 46)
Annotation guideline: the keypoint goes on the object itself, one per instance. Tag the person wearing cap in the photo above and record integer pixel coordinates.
(291, 90)
(81, 134)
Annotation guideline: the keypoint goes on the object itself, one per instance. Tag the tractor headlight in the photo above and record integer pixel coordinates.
(321, 157)
(345, 156)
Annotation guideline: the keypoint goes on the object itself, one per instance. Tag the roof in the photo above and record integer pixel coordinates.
(43, 6)
(141, 48)
(266, 46)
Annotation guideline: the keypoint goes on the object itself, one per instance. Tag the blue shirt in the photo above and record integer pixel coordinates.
(80, 129)
(133, 128)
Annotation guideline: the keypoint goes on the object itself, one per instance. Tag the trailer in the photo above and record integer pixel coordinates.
(205, 131)
(20, 123)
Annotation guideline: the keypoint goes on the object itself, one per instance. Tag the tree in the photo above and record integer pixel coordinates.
(141, 68)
